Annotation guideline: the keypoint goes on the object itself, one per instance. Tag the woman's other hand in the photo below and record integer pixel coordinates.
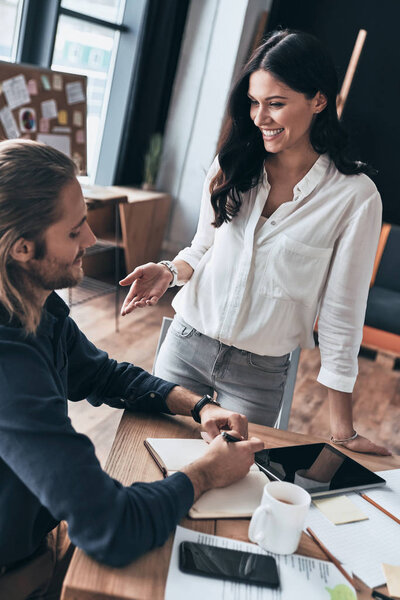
(148, 283)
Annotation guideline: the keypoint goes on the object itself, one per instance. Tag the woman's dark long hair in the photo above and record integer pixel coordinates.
(298, 60)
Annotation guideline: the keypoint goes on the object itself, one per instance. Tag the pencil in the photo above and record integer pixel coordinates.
(331, 557)
(368, 499)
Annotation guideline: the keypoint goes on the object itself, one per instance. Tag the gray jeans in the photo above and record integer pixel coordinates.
(244, 382)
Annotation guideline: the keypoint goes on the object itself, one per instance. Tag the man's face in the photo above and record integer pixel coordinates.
(65, 243)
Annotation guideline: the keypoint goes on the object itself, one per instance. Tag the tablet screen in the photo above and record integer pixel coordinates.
(318, 468)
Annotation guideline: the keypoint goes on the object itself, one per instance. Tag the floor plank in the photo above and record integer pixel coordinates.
(376, 395)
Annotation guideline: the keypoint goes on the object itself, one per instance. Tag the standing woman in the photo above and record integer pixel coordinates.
(287, 232)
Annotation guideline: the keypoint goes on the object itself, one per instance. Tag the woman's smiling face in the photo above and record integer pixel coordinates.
(283, 115)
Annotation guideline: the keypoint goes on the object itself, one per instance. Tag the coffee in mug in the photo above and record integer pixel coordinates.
(277, 523)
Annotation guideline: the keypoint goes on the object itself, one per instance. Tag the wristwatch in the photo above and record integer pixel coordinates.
(173, 270)
(199, 405)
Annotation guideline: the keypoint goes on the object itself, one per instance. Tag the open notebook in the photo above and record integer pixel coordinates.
(237, 500)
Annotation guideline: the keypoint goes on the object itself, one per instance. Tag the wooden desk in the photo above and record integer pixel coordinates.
(129, 461)
(143, 217)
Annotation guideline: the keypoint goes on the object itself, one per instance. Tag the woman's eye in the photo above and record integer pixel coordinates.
(74, 234)
(253, 102)
(276, 104)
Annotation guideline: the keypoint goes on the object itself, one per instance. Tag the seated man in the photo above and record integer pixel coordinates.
(48, 471)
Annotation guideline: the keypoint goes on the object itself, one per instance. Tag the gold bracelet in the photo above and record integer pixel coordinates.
(339, 442)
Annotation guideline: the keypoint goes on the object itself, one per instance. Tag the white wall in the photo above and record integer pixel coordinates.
(216, 40)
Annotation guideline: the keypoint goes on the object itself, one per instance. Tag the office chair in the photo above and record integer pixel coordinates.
(284, 414)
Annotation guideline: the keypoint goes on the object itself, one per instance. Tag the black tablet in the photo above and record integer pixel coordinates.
(318, 468)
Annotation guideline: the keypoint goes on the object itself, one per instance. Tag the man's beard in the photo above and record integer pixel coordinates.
(51, 274)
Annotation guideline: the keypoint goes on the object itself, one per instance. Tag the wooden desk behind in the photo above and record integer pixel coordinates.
(143, 217)
(129, 461)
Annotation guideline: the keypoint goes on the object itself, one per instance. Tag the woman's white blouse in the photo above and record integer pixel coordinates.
(261, 287)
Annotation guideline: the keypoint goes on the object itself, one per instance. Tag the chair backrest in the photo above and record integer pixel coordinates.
(389, 267)
(282, 421)
(166, 322)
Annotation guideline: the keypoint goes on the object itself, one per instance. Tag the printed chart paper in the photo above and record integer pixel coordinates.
(59, 142)
(74, 92)
(9, 123)
(300, 577)
(49, 109)
(16, 91)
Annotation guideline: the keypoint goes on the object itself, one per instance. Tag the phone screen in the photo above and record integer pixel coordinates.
(201, 559)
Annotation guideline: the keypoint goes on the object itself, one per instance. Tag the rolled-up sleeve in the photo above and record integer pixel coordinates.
(204, 237)
(343, 304)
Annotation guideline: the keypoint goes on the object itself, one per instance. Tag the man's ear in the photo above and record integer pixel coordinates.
(23, 250)
(320, 102)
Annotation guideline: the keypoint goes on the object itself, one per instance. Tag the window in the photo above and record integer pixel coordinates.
(10, 22)
(87, 39)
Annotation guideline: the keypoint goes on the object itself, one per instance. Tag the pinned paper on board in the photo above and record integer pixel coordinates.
(60, 129)
(63, 117)
(16, 91)
(49, 109)
(45, 83)
(27, 120)
(74, 92)
(59, 142)
(57, 82)
(9, 123)
(80, 136)
(77, 118)
(32, 87)
(44, 125)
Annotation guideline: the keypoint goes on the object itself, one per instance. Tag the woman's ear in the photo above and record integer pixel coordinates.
(320, 101)
(23, 250)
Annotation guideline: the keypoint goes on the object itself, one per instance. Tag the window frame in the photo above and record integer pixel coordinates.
(38, 30)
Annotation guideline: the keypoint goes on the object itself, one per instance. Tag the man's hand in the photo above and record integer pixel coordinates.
(214, 419)
(149, 283)
(224, 463)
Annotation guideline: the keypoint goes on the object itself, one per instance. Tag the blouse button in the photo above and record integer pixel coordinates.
(273, 222)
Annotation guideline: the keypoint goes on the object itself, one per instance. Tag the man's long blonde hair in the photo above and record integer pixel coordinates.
(32, 176)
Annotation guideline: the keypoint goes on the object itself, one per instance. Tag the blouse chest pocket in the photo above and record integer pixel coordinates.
(295, 271)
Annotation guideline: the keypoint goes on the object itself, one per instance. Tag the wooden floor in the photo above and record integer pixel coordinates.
(376, 396)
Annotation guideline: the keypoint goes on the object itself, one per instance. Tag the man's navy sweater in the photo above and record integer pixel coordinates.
(48, 471)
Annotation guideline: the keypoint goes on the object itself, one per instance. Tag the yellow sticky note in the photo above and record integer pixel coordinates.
(392, 576)
(63, 117)
(340, 510)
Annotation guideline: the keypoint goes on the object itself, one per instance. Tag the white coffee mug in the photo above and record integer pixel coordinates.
(276, 525)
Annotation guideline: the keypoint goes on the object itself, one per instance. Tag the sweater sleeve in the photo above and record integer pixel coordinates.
(93, 375)
(204, 237)
(344, 301)
(112, 523)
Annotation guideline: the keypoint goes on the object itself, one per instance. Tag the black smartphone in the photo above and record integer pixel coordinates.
(223, 563)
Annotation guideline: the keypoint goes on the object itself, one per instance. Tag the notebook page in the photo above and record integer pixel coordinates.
(175, 453)
(364, 545)
(389, 495)
(239, 499)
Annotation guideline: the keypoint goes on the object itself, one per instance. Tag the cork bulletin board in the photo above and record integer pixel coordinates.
(44, 105)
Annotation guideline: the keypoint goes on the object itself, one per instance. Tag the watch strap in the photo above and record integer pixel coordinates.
(199, 405)
(173, 270)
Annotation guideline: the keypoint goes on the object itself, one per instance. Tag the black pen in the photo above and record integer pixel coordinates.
(230, 438)
(380, 596)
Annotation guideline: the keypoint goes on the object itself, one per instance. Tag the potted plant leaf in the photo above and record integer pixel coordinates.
(152, 162)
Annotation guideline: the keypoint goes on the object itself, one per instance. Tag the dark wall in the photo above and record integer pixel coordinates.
(372, 112)
(151, 85)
